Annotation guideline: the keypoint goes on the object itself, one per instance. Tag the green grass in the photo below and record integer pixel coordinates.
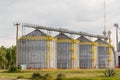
(79, 74)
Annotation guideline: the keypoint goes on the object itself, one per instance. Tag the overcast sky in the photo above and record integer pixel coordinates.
(77, 15)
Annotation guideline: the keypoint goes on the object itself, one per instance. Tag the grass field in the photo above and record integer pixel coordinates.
(79, 74)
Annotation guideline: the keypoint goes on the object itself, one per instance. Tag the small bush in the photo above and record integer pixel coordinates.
(19, 67)
(109, 72)
(61, 77)
(36, 76)
(20, 77)
(47, 77)
(14, 68)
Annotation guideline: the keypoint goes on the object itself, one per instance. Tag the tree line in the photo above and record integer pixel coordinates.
(7, 57)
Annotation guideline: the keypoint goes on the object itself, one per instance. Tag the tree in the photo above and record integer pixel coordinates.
(13, 53)
(3, 60)
(9, 57)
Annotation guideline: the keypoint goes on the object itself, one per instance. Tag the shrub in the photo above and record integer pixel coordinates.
(19, 67)
(109, 72)
(20, 77)
(36, 76)
(14, 68)
(61, 77)
(47, 77)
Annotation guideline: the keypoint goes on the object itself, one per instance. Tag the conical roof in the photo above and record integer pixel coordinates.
(100, 41)
(36, 33)
(62, 36)
(83, 39)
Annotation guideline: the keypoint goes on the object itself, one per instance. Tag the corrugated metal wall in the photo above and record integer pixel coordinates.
(36, 52)
(64, 55)
(85, 53)
(33, 53)
(103, 57)
(67, 53)
(21, 52)
(85, 57)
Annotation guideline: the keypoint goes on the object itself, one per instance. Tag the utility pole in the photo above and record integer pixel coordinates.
(117, 27)
(17, 24)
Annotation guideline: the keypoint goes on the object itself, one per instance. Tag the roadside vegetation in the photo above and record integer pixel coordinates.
(7, 57)
(80, 74)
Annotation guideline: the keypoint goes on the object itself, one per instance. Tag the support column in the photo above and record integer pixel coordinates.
(73, 50)
(93, 51)
(17, 24)
(110, 56)
(48, 52)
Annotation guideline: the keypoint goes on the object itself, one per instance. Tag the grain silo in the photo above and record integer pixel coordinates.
(105, 54)
(87, 53)
(67, 52)
(37, 50)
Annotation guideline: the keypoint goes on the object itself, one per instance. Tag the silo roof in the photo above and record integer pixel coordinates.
(63, 36)
(100, 41)
(36, 33)
(83, 39)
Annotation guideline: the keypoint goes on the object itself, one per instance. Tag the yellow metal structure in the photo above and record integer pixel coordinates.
(86, 43)
(110, 54)
(48, 52)
(73, 50)
(67, 40)
(49, 49)
(93, 51)
(37, 38)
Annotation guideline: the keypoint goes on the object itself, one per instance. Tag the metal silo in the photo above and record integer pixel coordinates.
(87, 53)
(37, 50)
(105, 54)
(67, 52)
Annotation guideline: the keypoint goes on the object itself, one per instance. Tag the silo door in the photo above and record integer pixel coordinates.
(119, 61)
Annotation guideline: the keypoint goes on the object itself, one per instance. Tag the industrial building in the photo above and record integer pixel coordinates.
(105, 54)
(85, 54)
(118, 56)
(37, 50)
(67, 52)
(40, 50)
